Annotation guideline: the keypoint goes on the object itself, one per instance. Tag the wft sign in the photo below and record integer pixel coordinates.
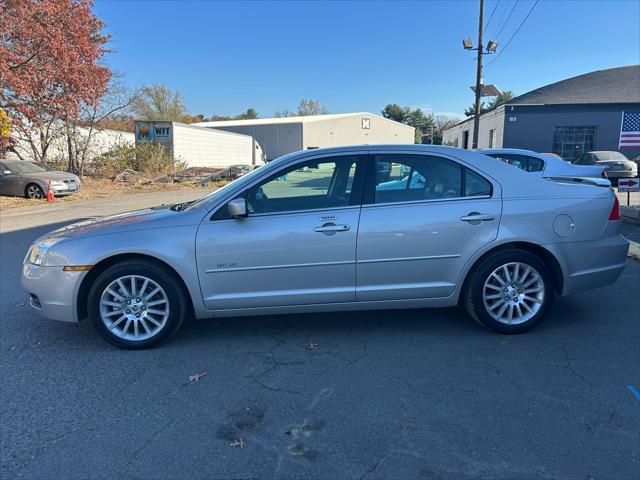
(159, 132)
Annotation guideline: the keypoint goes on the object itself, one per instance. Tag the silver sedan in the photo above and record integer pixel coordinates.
(320, 230)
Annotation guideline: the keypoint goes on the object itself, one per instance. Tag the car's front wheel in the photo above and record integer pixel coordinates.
(136, 304)
(509, 291)
(34, 192)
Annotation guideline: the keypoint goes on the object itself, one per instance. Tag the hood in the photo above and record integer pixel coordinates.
(50, 176)
(137, 220)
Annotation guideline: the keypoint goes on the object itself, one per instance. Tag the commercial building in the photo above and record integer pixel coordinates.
(279, 136)
(568, 117)
(200, 147)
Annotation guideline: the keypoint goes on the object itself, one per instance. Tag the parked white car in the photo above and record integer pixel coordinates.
(544, 164)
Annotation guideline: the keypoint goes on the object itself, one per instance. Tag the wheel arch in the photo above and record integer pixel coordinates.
(545, 255)
(28, 184)
(102, 265)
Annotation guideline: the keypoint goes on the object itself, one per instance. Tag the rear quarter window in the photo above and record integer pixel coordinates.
(475, 185)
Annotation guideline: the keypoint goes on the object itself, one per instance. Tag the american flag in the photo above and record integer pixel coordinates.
(630, 130)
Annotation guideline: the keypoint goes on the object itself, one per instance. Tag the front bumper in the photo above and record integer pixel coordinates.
(60, 192)
(53, 291)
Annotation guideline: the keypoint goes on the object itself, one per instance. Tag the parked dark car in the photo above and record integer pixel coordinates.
(615, 163)
(20, 178)
(42, 165)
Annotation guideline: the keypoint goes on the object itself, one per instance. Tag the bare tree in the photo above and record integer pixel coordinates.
(284, 113)
(80, 131)
(308, 106)
(440, 123)
(158, 102)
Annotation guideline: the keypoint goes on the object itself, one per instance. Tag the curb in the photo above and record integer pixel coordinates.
(634, 250)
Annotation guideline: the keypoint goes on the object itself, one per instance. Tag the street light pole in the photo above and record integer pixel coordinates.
(476, 118)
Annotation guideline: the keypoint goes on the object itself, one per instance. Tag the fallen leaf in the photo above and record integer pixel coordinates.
(312, 346)
(196, 376)
(237, 444)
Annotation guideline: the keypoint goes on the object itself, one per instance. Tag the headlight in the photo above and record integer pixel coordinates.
(39, 250)
(55, 183)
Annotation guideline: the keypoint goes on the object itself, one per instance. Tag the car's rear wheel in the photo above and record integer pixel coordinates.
(136, 304)
(509, 291)
(34, 192)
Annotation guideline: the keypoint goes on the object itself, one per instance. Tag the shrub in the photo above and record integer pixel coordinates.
(145, 158)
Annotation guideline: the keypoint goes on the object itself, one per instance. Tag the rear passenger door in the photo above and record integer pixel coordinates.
(421, 224)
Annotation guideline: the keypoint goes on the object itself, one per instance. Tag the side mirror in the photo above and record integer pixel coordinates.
(237, 207)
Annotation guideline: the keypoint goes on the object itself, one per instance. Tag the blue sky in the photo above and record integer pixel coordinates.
(358, 56)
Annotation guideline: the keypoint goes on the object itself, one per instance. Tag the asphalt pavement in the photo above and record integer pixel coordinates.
(416, 394)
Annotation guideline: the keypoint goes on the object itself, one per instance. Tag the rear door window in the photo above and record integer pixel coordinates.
(410, 177)
(523, 162)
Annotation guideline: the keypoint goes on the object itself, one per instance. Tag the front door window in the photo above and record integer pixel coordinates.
(310, 185)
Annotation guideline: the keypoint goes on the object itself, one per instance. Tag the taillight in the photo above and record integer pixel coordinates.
(604, 175)
(615, 211)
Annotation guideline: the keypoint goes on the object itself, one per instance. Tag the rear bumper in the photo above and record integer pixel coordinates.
(592, 264)
(53, 291)
(622, 173)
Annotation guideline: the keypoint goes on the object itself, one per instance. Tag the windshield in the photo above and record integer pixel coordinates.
(24, 167)
(609, 156)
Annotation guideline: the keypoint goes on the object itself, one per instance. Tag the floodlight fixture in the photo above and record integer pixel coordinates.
(467, 43)
(492, 46)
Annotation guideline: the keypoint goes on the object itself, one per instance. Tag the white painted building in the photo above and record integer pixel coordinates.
(101, 141)
(198, 146)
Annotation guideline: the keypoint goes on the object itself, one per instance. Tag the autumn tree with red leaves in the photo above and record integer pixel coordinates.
(50, 65)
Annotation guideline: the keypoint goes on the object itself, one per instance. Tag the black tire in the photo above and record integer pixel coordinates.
(177, 301)
(475, 304)
(37, 189)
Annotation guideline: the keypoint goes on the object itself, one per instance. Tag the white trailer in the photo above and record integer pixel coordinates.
(199, 146)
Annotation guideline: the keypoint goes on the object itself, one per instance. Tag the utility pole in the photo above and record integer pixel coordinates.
(480, 89)
(476, 118)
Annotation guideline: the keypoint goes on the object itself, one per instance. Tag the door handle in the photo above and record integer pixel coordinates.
(331, 228)
(477, 217)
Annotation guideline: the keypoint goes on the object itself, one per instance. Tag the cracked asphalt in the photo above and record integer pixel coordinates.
(416, 394)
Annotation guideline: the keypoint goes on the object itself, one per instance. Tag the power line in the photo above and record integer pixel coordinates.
(506, 21)
(491, 16)
(504, 12)
(514, 33)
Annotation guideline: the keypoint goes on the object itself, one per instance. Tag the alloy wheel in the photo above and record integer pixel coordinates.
(513, 293)
(134, 307)
(34, 192)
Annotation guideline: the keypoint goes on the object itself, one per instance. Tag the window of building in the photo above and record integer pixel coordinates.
(571, 142)
(492, 138)
(408, 177)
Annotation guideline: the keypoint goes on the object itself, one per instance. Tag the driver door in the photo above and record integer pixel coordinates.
(10, 183)
(297, 245)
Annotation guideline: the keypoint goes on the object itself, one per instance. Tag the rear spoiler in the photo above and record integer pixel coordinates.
(598, 182)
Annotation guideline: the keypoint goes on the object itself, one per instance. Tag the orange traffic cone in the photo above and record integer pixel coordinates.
(50, 196)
